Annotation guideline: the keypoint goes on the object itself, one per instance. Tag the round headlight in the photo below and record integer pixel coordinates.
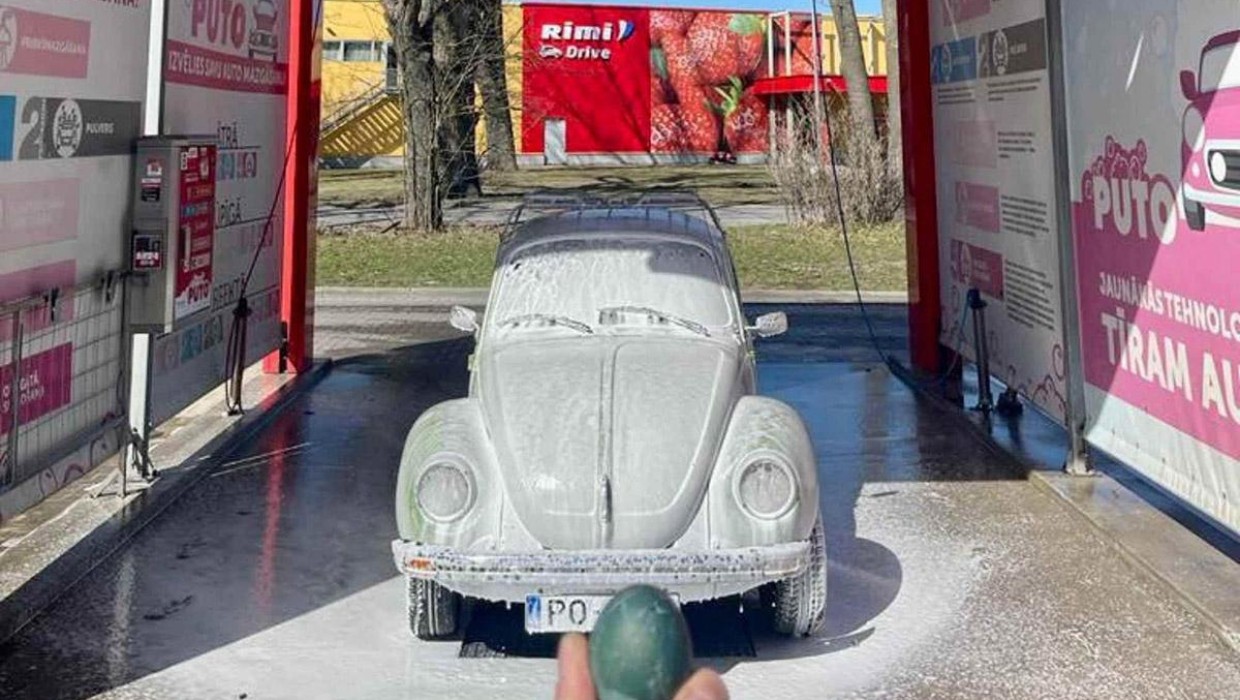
(445, 492)
(766, 489)
(1194, 129)
(1218, 167)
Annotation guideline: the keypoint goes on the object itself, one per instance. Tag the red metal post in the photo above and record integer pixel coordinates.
(921, 208)
(297, 270)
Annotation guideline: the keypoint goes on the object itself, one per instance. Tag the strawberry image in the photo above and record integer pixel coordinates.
(802, 42)
(744, 118)
(681, 63)
(665, 23)
(746, 128)
(726, 45)
(667, 130)
(701, 126)
(682, 128)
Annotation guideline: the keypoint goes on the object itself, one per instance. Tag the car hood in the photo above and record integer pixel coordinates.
(607, 441)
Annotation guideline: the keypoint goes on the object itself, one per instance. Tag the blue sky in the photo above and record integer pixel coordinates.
(864, 7)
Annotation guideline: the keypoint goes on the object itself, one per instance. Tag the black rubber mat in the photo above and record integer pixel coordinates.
(718, 629)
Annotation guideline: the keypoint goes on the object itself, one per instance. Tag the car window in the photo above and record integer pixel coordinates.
(1220, 68)
(576, 279)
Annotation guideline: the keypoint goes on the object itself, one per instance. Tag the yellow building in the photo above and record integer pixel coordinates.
(362, 123)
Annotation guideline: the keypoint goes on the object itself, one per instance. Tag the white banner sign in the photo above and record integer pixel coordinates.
(72, 79)
(1153, 90)
(72, 86)
(226, 73)
(996, 195)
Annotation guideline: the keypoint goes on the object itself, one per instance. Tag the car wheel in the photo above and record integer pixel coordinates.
(1194, 214)
(433, 610)
(801, 601)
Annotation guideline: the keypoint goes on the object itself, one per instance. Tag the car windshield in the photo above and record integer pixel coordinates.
(1220, 68)
(580, 279)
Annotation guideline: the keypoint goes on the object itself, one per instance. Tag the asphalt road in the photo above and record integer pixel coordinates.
(951, 576)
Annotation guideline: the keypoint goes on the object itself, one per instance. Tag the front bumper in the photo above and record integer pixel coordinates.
(511, 576)
(1213, 198)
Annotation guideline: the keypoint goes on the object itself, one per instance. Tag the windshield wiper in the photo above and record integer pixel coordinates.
(551, 319)
(661, 315)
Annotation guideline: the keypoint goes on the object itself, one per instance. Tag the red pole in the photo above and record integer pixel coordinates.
(921, 208)
(302, 122)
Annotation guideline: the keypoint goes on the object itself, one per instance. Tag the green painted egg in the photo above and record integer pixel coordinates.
(640, 647)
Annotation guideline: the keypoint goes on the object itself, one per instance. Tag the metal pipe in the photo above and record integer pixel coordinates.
(817, 81)
(984, 399)
(1078, 460)
(15, 361)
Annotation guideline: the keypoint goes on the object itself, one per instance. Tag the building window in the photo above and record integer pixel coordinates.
(355, 51)
(363, 51)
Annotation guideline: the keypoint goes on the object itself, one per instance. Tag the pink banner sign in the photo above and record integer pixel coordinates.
(192, 65)
(974, 266)
(964, 10)
(34, 281)
(37, 213)
(977, 206)
(44, 385)
(34, 43)
(1160, 315)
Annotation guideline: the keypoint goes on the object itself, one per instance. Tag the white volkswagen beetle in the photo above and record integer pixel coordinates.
(611, 435)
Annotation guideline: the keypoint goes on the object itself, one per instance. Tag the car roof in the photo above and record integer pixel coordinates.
(595, 224)
(1223, 39)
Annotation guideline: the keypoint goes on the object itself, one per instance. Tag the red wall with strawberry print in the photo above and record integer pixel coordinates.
(703, 65)
(590, 66)
(680, 83)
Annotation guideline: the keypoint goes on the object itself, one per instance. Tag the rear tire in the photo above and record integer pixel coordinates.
(433, 610)
(1194, 215)
(801, 601)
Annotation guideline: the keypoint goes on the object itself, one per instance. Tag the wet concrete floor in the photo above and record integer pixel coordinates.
(951, 576)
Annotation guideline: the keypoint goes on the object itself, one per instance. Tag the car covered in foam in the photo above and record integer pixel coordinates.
(612, 434)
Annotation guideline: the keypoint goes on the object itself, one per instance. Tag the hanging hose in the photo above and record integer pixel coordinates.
(957, 332)
(234, 358)
(234, 355)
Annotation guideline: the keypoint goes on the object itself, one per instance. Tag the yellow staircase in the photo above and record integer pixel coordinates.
(366, 127)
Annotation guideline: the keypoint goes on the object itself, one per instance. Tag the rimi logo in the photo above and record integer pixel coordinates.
(608, 31)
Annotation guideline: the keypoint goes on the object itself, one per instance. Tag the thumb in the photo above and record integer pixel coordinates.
(705, 684)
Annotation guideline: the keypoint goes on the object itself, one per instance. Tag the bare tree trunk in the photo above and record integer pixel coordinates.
(411, 23)
(457, 55)
(852, 64)
(895, 137)
(492, 77)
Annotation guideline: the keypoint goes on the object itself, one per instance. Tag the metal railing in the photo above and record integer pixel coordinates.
(62, 375)
(354, 106)
(551, 201)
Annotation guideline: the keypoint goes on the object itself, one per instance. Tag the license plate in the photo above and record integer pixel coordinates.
(562, 613)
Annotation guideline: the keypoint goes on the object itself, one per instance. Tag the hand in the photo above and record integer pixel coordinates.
(575, 683)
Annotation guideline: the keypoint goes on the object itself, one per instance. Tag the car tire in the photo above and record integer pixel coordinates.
(801, 601)
(433, 610)
(1194, 214)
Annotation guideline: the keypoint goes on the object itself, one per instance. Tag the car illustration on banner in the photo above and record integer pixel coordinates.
(264, 40)
(549, 51)
(1211, 148)
(612, 435)
(8, 37)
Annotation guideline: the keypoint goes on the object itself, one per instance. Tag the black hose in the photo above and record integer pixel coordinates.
(234, 356)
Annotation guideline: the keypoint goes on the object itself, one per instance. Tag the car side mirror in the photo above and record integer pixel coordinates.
(463, 319)
(769, 325)
(1188, 84)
